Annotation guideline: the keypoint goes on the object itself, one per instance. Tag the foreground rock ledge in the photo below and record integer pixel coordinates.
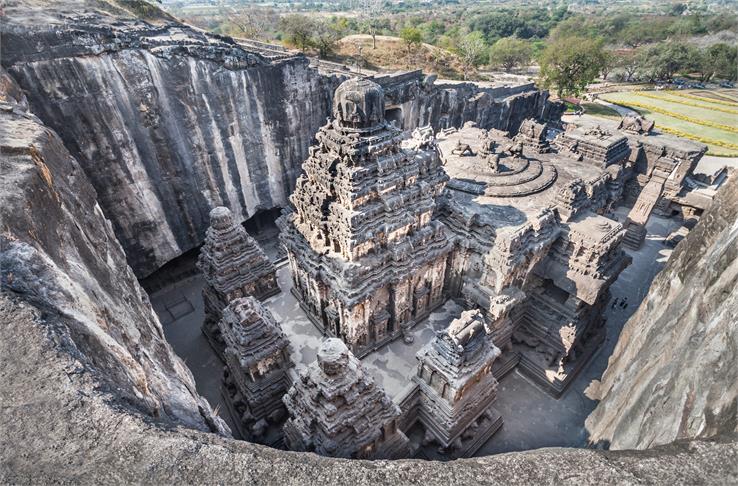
(57, 426)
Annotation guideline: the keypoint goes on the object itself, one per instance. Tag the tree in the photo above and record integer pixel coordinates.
(510, 52)
(496, 25)
(637, 34)
(719, 60)
(326, 35)
(248, 22)
(570, 63)
(609, 62)
(299, 30)
(629, 62)
(664, 60)
(471, 47)
(412, 37)
(371, 11)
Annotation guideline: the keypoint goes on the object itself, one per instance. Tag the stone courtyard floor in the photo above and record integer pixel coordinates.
(532, 418)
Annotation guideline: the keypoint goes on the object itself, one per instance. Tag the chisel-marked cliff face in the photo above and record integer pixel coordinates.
(59, 256)
(169, 131)
(673, 374)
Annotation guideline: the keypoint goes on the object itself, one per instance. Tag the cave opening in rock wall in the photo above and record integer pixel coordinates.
(394, 114)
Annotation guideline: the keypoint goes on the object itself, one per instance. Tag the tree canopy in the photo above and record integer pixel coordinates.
(298, 29)
(510, 52)
(569, 64)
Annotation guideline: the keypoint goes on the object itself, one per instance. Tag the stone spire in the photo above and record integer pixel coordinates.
(366, 256)
(457, 387)
(257, 357)
(234, 266)
(337, 410)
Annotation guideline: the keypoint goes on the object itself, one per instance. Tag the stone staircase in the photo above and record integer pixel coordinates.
(635, 224)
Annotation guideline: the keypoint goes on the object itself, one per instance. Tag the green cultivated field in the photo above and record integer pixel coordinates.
(710, 117)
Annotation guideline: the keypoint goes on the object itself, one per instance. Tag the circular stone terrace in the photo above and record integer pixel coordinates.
(514, 175)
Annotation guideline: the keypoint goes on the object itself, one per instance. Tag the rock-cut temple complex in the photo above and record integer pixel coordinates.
(517, 230)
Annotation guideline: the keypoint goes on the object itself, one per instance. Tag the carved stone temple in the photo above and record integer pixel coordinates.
(256, 375)
(513, 233)
(534, 251)
(367, 257)
(234, 266)
(457, 387)
(337, 410)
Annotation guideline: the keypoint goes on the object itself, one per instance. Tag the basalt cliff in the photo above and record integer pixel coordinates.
(673, 373)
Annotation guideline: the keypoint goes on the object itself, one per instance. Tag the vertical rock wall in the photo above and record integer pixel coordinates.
(59, 256)
(673, 374)
(165, 140)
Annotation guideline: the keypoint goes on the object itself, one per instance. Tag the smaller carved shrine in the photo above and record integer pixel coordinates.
(234, 266)
(257, 356)
(457, 387)
(337, 410)
(533, 135)
(595, 145)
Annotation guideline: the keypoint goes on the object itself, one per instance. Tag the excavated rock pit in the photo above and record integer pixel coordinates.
(91, 391)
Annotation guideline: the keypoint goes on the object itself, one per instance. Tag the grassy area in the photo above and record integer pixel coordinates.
(602, 111)
(687, 116)
(393, 54)
(729, 96)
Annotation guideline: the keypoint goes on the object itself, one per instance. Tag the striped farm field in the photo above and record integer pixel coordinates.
(724, 95)
(710, 97)
(693, 101)
(710, 121)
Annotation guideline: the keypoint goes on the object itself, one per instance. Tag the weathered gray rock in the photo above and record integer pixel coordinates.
(59, 255)
(673, 374)
(168, 123)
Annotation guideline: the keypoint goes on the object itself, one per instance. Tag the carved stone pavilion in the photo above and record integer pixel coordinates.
(457, 387)
(256, 375)
(337, 410)
(367, 257)
(532, 251)
(234, 266)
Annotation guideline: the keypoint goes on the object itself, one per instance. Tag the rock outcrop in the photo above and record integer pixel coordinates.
(61, 261)
(673, 374)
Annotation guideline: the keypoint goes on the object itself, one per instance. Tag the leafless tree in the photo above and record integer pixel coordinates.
(251, 21)
(371, 12)
(471, 47)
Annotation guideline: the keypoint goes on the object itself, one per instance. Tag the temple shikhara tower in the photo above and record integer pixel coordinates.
(457, 387)
(234, 266)
(337, 410)
(255, 378)
(367, 258)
